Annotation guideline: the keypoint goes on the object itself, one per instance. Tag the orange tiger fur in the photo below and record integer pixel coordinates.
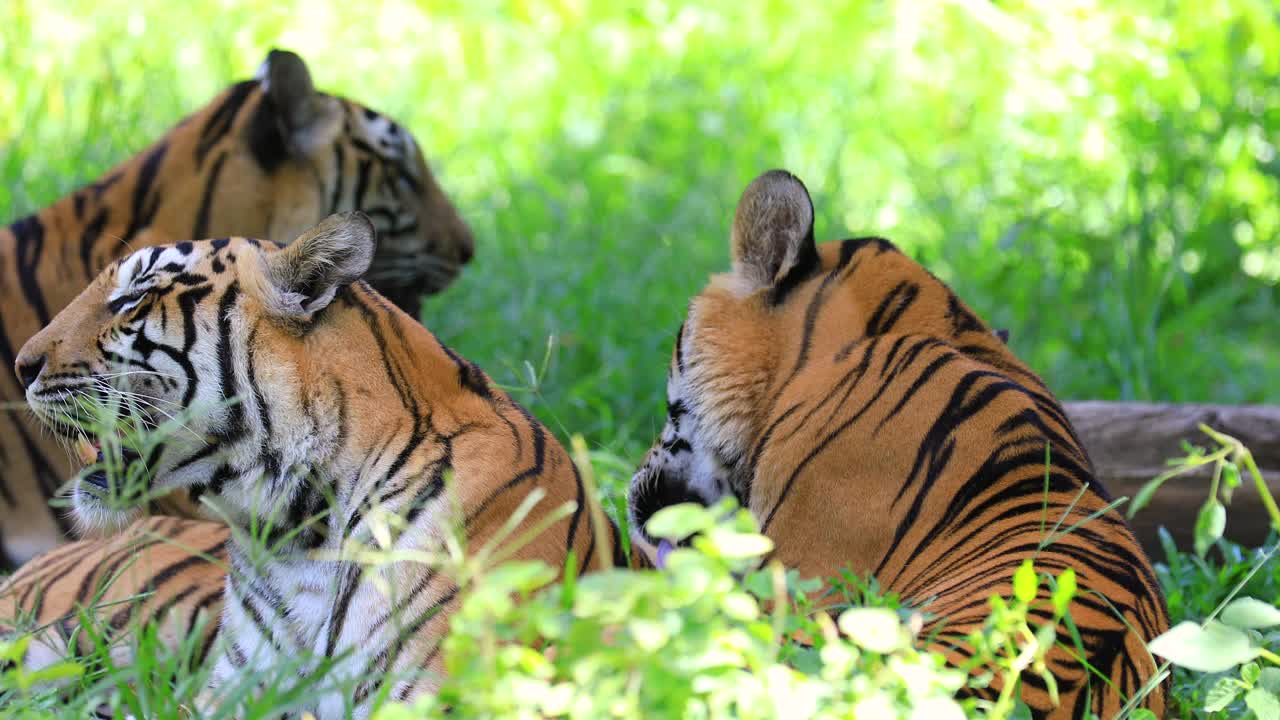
(348, 409)
(267, 158)
(868, 419)
(164, 570)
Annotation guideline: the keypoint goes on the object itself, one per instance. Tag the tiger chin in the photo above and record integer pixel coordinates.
(317, 408)
(869, 420)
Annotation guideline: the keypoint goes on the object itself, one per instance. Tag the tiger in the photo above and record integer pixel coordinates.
(349, 412)
(163, 570)
(869, 420)
(267, 158)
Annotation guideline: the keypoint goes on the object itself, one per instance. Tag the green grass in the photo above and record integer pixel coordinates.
(1101, 180)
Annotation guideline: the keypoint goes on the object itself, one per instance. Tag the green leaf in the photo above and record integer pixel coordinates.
(1213, 648)
(1209, 525)
(875, 629)
(1064, 592)
(1230, 480)
(1269, 679)
(730, 544)
(1264, 704)
(57, 671)
(1142, 714)
(649, 635)
(1221, 694)
(1250, 614)
(1143, 497)
(1025, 582)
(522, 576)
(677, 522)
(1249, 673)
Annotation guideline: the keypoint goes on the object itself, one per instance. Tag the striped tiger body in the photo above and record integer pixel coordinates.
(164, 570)
(349, 411)
(868, 419)
(267, 158)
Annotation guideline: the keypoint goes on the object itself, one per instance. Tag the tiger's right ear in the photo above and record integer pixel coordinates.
(293, 116)
(772, 236)
(304, 276)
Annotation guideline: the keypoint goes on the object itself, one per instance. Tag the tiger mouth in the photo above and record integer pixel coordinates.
(89, 453)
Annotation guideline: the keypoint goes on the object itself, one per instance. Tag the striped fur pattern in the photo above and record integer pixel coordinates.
(349, 409)
(267, 158)
(868, 419)
(160, 570)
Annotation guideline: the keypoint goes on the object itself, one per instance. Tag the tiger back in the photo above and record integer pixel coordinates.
(267, 158)
(349, 413)
(868, 419)
(161, 570)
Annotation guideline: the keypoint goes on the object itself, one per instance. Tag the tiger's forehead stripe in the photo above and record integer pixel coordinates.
(141, 266)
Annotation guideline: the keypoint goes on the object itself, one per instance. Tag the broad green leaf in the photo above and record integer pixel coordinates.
(1249, 673)
(1210, 649)
(523, 576)
(1263, 703)
(1025, 582)
(1064, 592)
(677, 522)
(875, 629)
(1221, 694)
(731, 544)
(1269, 678)
(1210, 523)
(649, 635)
(1142, 714)
(1251, 614)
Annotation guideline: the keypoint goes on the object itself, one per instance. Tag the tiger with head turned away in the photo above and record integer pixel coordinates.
(869, 420)
(346, 412)
(267, 158)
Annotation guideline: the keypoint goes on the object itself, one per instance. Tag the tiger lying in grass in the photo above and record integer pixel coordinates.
(267, 158)
(868, 419)
(348, 410)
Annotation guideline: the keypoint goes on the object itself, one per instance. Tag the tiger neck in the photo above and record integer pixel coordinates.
(365, 414)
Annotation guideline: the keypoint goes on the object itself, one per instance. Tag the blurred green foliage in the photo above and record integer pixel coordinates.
(1101, 178)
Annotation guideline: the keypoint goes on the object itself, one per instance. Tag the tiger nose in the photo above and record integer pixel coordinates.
(466, 248)
(28, 369)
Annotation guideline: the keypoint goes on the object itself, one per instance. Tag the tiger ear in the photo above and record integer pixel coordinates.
(304, 276)
(287, 81)
(293, 118)
(772, 236)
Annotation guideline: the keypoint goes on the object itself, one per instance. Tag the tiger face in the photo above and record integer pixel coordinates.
(319, 154)
(157, 334)
(870, 421)
(311, 414)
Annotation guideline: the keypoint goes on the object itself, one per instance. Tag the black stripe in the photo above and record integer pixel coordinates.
(145, 203)
(28, 234)
(340, 173)
(892, 307)
(89, 238)
(363, 166)
(221, 119)
(201, 229)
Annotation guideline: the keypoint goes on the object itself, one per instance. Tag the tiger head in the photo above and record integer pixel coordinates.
(298, 155)
(241, 352)
(767, 353)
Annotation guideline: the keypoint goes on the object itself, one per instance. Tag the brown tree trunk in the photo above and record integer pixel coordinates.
(1130, 442)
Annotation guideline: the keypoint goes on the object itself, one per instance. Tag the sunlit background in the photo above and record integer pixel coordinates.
(1100, 178)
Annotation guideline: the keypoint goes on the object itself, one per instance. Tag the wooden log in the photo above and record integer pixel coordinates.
(1130, 442)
